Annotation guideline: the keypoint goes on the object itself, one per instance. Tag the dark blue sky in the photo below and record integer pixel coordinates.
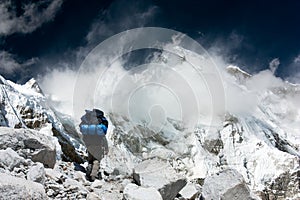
(247, 33)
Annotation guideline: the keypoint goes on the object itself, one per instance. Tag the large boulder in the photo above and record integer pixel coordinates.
(135, 192)
(160, 175)
(15, 188)
(227, 185)
(36, 173)
(29, 144)
(9, 159)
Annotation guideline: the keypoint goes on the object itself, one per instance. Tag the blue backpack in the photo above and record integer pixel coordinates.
(93, 123)
(93, 129)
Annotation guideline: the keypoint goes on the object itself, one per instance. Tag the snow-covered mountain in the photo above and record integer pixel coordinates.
(257, 152)
(256, 146)
(263, 144)
(25, 106)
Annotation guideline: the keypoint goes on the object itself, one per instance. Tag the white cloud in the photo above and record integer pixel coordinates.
(117, 19)
(293, 70)
(111, 21)
(59, 83)
(59, 86)
(295, 78)
(118, 85)
(297, 59)
(227, 45)
(273, 65)
(31, 18)
(9, 64)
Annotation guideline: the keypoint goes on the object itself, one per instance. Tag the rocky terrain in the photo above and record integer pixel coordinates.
(248, 157)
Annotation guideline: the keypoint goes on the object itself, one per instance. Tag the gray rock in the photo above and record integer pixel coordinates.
(98, 183)
(55, 187)
(228, 184)
(160, 175)
(125, 182)
(29, 144)
(50, 192)
(9, 159)
(53, 174)
(45, 156)
(72, 185)
(135, 192)
(36, 173)
(189, 192)
(213, 142)
(109, 190)
(93, 196)
(108, 195)
(14, 188)
(80, 176)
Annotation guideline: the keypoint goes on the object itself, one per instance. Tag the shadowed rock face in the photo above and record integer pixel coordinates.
(32, 119)
(213, 143)
(69, 152)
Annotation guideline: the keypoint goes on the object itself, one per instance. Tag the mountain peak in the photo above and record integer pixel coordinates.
(33, 84)
(3, 80)
(237, 72)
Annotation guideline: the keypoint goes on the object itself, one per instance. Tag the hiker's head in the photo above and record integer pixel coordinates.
(94, 116)
(98, 113)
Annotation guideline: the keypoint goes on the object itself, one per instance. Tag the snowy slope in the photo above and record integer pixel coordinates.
(26, 106)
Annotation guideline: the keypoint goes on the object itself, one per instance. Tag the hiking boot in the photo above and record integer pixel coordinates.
(94, 170)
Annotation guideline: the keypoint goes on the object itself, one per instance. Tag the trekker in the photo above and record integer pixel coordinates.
(93, 127)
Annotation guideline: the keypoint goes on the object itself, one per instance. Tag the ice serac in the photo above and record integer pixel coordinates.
(159, 175)
(17, 188)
